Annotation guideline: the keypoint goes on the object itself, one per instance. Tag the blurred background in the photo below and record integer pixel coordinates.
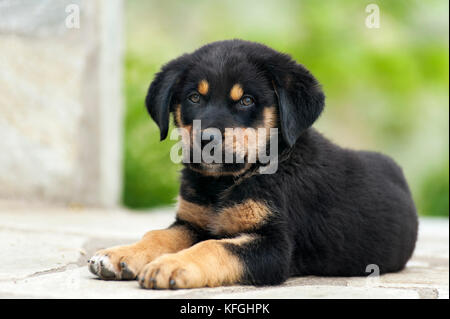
(387, 88)
(81, 165)
(74, 75)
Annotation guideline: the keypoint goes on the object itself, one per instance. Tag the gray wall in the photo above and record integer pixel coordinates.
(61, 102)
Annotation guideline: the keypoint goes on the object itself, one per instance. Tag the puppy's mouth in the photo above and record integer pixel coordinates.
(218, 169)
(216, 157)
(212, 167)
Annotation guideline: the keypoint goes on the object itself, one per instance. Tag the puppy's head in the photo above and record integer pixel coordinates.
(235, 84)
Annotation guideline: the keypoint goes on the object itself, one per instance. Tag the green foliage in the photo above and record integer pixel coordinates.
(434, 192)
(150, 177)
(387, 88)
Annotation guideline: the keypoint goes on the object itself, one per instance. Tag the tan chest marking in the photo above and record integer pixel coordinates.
(231, 220)
(240, 217)
(193, 213)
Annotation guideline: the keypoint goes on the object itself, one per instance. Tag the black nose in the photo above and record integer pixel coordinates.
(210, 138)
(207, 140)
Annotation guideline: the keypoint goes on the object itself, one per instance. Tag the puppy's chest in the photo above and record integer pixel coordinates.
(223, 218)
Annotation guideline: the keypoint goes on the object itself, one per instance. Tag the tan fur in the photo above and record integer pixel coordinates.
(178, 120)
(203, 87)
(167, 240)
(240, 217)
(236, 92)
(186, 138)
(243, 140)
(193, 213)
(270, 117)
(152, 245)
(236, 141)
(208, 263)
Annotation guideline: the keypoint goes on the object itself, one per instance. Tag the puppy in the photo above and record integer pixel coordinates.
(325, 211)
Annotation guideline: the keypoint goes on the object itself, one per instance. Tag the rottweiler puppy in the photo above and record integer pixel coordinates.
(325, 211)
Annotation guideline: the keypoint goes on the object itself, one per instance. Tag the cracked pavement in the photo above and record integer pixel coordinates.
(45, 250)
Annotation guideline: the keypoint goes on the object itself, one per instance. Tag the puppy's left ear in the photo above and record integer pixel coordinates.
(300, 97)
(161, 93)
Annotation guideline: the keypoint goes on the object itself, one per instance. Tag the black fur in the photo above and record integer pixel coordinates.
(334, 211)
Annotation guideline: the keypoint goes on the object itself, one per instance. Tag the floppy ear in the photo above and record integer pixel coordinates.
(161, 92)
(300, 98)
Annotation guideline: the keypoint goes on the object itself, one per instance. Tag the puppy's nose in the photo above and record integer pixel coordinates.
(209, 136)
(208, 139)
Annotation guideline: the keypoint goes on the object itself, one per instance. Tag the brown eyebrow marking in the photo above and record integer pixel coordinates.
(203, 87)
(236, 92)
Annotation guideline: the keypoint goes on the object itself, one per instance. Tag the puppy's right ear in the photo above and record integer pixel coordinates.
(161, 92)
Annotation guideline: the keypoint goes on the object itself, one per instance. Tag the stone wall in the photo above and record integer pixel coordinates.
(61, 101)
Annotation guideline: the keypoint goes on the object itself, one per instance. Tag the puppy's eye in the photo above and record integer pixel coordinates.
(247, 101)
(194, 98)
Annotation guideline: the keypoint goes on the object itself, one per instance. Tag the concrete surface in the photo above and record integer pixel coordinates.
(61, 101)
(44, 253)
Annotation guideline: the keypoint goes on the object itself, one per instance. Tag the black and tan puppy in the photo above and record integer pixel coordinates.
(326, 211)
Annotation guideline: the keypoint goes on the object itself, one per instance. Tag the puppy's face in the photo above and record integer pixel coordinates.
(234, 85)
(232, 97)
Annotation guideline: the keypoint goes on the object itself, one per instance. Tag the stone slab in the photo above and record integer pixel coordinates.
(61, 102)
(46, 250)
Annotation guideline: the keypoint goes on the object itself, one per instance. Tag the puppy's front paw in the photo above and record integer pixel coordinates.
(171, 271)
(118, 263)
